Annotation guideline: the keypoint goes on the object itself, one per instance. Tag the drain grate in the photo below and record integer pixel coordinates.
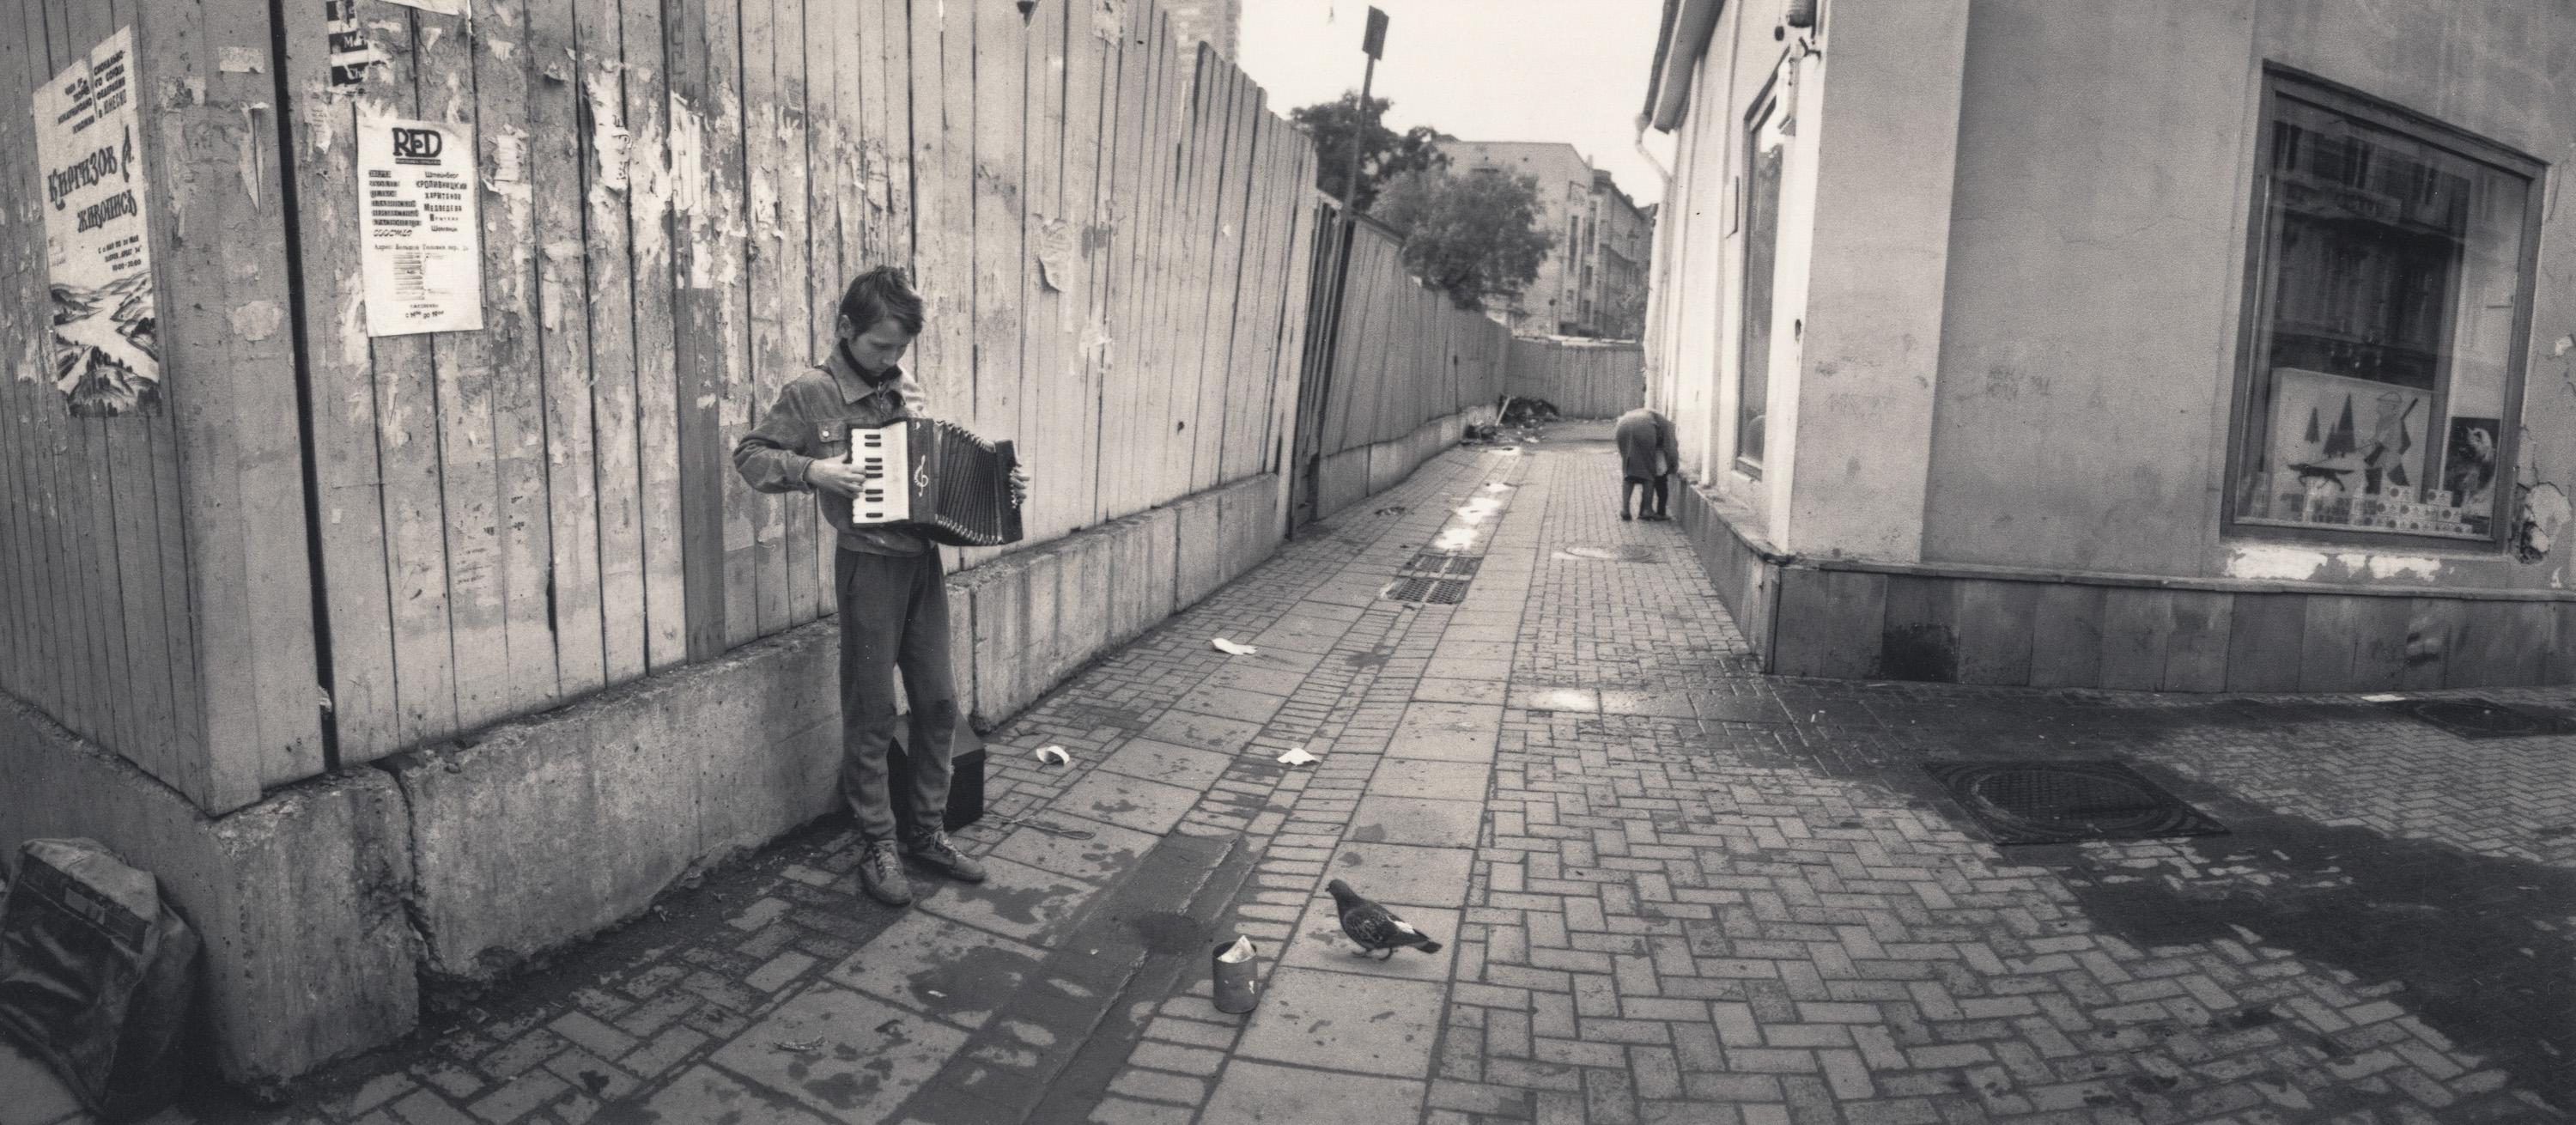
(2479, 718)
(1454, 566)
(2066, 802)
(1438, 591)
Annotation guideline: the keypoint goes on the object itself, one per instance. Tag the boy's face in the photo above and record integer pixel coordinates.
(880, 347)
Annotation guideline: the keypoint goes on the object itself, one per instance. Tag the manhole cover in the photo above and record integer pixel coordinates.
(2478, 718)
(1455, 566)
(1626, 552)
(2064, 802)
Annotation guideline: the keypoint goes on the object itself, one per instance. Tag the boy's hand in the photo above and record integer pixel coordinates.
(838, 477)
(1019, 485)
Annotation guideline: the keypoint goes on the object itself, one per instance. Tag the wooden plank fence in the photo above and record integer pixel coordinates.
(1404, 356)
(1114, 237)
(1583, 380)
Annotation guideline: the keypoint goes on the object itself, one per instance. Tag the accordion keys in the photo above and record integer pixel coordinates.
(883, 455)
(938, 480)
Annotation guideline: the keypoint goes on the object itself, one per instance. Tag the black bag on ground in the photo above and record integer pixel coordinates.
(97, 976)
(965, 780)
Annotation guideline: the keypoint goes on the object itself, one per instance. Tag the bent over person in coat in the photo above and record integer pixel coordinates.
(1648, 454)
(886, 581)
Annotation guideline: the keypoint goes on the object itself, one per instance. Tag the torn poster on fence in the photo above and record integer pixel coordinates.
(351, 52)
(98, 245)
(422, 248)
(443, 7)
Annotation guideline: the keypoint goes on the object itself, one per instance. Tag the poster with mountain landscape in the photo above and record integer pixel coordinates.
(98, 246)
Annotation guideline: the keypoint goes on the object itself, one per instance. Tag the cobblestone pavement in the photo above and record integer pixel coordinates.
(1672, 890)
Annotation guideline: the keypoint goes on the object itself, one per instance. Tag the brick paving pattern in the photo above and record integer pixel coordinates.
(1671, 890)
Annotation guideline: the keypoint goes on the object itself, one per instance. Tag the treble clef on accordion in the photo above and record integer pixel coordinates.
(938, 479)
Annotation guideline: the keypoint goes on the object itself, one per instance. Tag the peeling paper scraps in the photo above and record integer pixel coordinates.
(443, 7)
(1055, 253)
(242, 60)
(509, 158)
(258, 320)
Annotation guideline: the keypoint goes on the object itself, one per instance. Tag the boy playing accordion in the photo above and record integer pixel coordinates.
(887, 583)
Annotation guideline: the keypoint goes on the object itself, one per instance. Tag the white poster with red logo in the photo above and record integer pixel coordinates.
(422, 254)
(98, 244)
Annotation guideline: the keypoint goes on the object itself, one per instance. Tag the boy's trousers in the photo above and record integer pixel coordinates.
(894, 614)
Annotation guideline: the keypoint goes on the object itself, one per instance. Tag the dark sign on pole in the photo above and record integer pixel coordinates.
(1374, 44)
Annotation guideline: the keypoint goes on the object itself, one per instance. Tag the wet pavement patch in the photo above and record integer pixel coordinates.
(2067, 802)
(1169, 931)
(2473, 945)
(2480, 718)
(1626, 552)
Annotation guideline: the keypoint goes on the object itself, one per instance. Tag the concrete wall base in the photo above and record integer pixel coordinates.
(309, 951)
(1353, 475)
(1990, 625)
(328, 905)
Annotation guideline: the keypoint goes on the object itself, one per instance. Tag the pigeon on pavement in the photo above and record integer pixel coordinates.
(1372, 928)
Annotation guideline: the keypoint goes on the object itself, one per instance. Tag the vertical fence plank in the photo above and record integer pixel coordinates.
(407, 450)
(565, 349)
(696, 264)
(617, 486)
(765, 175)
(462, 385)
(835, 176)
(504, 53)
(1090, 132)
(1123, 227)
(648, 100)
(1041, 392)
(22, 341)
(47, 653)
(340, 370)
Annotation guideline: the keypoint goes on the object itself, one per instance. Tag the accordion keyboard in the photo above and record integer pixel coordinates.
(882, 455)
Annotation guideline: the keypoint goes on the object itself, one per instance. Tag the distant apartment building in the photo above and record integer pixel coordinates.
(1596, 268)
(1219, 23)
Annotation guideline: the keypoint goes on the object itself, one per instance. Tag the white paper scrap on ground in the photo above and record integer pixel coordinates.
(1226, 646)
(1297, 756)
(2384, 698)
(1054, 756)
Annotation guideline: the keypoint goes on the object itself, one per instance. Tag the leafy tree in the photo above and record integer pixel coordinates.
(1625, 319)
(1384, 154)
(1474, 237)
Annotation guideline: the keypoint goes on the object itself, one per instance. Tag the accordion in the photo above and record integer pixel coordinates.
(938, 480)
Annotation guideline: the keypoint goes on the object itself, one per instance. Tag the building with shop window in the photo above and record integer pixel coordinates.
(2222, 346)
(1601, 237)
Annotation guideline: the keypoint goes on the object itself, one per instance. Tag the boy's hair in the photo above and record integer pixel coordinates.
(882, 294)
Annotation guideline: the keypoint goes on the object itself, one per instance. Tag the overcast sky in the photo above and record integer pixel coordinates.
(1481, 70)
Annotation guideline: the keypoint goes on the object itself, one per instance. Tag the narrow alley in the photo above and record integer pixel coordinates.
(1671, 890)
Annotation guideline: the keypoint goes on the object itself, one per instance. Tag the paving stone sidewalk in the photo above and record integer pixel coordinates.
(1670, 890)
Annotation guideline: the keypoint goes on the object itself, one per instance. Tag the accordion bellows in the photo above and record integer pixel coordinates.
(937, 479)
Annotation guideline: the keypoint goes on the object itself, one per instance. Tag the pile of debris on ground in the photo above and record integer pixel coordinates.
(1519, 421)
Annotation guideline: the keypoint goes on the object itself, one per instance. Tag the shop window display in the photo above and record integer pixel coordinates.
(2387, 303)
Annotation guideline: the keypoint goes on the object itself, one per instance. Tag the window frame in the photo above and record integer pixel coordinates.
(2253, 333)
(1766, 107)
